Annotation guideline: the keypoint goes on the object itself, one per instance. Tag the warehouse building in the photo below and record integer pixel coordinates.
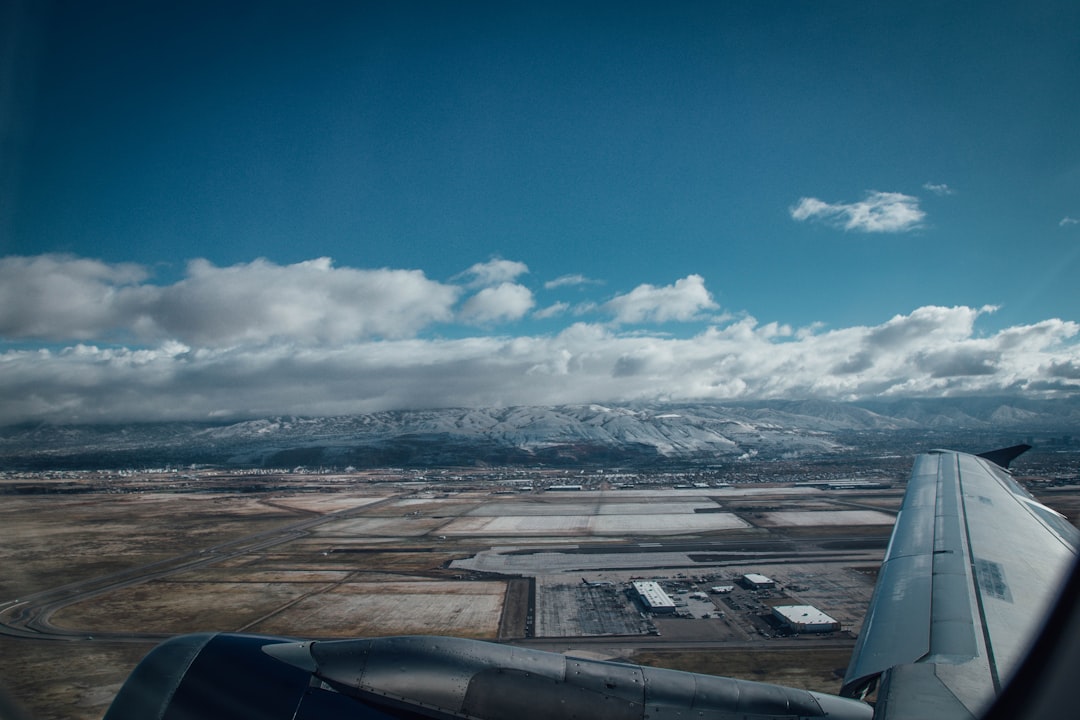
(758, 582)
(654, 598)
(804, 619)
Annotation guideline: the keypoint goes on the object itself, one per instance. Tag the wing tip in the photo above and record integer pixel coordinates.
(1003, 456)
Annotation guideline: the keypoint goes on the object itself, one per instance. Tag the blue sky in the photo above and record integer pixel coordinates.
(438, 203)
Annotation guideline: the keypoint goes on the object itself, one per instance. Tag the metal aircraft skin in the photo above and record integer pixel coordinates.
(971, 571)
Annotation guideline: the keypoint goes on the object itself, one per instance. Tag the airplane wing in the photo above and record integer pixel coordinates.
(971, 571)
(972, 568)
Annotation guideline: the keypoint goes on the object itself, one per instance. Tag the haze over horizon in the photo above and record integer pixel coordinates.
(216, 212)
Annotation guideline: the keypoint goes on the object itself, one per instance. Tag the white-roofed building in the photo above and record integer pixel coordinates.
(804, 618)
(653, 597)
(758, 582)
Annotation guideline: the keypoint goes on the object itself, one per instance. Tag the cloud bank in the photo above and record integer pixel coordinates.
(59, 298)
(879, 212)
(310, 339)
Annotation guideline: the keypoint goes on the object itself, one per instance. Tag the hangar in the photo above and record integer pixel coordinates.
(804, 618)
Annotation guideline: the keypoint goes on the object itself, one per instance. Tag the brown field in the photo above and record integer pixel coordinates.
(466, 609)
(49, 540)
(180, 607)
(59, 681)
(821, 669)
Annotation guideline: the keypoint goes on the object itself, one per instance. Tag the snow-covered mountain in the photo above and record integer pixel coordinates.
(566, 434)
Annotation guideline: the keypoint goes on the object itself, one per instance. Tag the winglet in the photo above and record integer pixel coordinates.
(1003, 456)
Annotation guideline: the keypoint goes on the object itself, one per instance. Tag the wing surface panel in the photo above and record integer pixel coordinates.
(1019, 559)
(963, 589)
(953, 611)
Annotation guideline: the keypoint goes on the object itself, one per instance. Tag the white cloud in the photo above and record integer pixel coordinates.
(1066, 221)
(494, 272)
(66, 298)
(569, 281)
(61, 297)
(931, 351)
(307, 302)
(939, 189)
(553, 310)
(938, 323)
(684, 301)
(501, 303)
(878, 212)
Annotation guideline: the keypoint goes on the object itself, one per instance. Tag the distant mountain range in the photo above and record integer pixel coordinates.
(562, 435)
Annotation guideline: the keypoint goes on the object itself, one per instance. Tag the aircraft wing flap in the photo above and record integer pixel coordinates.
(896, 629)
(908, 606)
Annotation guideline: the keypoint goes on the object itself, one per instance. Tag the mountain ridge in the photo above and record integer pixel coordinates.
(561, 434)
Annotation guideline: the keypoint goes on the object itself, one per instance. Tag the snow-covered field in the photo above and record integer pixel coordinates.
(826, 518)
(657, 523)
(588, 508)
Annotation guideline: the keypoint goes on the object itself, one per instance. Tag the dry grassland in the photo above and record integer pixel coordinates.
(56, 681)
(381, 526)
(179, 607)
(469, 609)
(46, 541)
(320, 503)
(820, 670)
